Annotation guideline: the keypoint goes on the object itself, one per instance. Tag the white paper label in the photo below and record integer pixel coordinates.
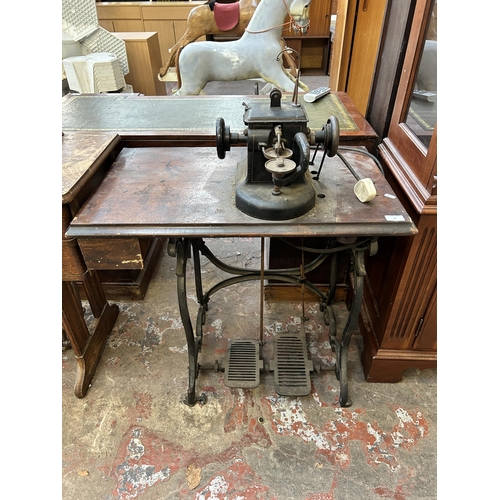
(395, 218)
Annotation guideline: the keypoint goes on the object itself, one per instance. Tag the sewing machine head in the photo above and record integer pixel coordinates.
(274, 182)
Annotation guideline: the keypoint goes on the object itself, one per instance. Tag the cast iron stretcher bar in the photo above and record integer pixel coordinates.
(187, 194)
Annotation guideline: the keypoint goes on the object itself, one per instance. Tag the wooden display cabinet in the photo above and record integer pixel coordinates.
(399, 318)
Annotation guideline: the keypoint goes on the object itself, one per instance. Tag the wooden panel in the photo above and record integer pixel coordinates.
(107, 25)
(166, 35)
(313, 52)
(417, 283)
(364, 51)
(168, 11)
(427, 337)
(119, 253)
(130, 283)
(180, 28)
(128, 25)
(319, 16)
(342, 42)
(118, 11)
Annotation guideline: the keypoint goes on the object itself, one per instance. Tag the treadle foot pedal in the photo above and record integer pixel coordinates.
(291, 366)
(242, 365)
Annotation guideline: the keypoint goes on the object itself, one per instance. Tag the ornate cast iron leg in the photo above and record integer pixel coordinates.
(341, 346)
(197, 244)
(183, 246)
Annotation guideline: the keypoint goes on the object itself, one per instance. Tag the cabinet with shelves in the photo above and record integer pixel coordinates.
(168, 19)
(399, 319)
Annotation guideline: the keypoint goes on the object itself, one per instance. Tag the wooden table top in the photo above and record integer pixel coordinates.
(82, 155)
(189, 192)
(192, 118)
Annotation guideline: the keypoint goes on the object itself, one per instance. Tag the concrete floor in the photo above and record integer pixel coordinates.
(132, 437)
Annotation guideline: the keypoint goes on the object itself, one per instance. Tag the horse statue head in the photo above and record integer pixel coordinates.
(299, 16)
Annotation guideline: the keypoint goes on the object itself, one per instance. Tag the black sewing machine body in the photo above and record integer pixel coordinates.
(273, 182)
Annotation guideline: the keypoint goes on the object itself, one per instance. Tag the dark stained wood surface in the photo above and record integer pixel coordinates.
(189, 192)
(82, 155)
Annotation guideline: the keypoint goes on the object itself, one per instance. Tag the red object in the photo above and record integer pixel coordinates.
(226, 15)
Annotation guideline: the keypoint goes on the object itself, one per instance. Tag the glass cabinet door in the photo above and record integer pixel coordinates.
(413, 127)
(422, 111)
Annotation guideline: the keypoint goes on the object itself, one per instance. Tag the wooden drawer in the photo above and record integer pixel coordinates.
(116, 253)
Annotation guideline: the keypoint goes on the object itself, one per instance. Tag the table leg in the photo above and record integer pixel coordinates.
(341, 346)
(87, 347)
(95, 294)
(183, 247)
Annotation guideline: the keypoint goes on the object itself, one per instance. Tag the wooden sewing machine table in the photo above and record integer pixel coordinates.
(187, 195)
(96, 127)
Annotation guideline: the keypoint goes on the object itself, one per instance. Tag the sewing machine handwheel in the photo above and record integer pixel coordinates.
(222, 137)
(332, 136)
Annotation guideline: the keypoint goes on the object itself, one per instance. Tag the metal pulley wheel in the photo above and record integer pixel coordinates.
(222, 137)
(270, 153)
(280, 166)
(332, 136)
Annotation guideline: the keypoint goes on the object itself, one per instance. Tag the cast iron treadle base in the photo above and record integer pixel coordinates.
(291, 366)
(242, 365)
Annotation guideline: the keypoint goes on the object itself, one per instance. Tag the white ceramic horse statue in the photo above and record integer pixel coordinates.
(254, 55)
(201, 22)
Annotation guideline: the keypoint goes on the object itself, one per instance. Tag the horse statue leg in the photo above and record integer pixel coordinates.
(200, 22)
(189, 85)
(188, 37)
(162, 75)
(290, 61)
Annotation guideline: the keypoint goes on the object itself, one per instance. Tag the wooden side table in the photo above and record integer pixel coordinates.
(84, 163)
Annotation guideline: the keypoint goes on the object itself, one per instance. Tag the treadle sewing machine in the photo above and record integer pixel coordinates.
(187, 195)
